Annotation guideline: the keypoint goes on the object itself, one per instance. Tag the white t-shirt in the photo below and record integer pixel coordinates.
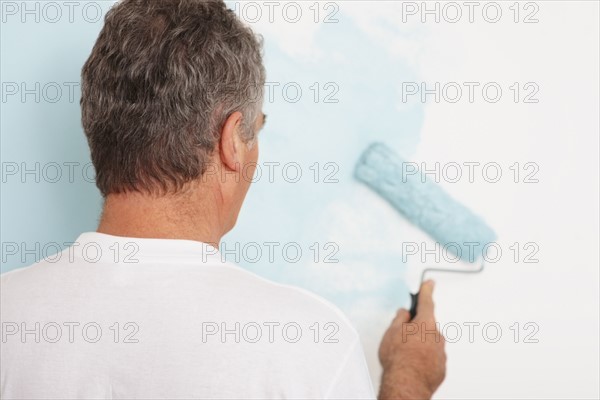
(115, 317)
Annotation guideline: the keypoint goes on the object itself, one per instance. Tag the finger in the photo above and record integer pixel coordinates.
(402, 316)
(425, 306)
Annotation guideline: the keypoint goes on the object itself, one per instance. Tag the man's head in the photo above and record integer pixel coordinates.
(171, 93)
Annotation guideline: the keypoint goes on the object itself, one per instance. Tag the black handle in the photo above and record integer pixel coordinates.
(414, 299)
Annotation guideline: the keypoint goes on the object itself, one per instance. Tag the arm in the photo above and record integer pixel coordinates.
(412, 353)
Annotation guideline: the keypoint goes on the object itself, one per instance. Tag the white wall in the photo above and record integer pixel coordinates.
(557, 216)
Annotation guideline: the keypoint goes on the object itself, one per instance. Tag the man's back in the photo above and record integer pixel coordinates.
(116, 317)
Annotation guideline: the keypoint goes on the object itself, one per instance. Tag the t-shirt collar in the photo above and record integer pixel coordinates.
(96, 245)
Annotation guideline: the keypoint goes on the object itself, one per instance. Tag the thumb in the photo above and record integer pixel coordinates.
(425, 306)
(402, 316)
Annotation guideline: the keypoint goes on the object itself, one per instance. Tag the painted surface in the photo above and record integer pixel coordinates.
(351, 74)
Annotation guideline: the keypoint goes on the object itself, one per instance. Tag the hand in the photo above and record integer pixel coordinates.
(412, 352)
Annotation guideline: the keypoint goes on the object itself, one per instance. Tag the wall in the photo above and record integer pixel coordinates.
(543, 286)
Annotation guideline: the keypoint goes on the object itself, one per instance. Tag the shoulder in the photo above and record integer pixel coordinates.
(39, 271)
(33, 284)
(294, 301)
(19, 275)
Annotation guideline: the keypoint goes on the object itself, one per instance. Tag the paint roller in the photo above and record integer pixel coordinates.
(426, 205)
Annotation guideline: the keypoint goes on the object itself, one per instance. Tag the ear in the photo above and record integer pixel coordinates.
(230, 142)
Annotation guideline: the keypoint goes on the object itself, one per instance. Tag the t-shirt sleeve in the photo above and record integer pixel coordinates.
(352, 380)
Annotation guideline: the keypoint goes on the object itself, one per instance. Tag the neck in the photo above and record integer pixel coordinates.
(183, 216)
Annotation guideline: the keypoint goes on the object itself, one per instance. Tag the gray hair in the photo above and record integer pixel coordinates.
(162, 79)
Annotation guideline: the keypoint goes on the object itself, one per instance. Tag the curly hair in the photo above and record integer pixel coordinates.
(160, 82)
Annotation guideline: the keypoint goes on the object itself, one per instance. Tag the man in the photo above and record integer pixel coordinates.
(146, 307)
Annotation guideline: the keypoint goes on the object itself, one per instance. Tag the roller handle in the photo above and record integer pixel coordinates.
(414, 299)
